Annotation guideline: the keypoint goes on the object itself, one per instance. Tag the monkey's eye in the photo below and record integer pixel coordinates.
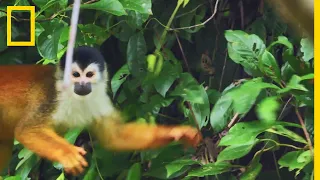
(75, 74)
(89, 74)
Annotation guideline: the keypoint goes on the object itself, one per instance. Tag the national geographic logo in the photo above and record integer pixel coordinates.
(32, 25)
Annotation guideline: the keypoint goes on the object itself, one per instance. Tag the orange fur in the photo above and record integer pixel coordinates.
(24, 90)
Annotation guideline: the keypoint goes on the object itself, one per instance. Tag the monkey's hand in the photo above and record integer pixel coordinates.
(188, 135)
(47, 144)
(72, 159)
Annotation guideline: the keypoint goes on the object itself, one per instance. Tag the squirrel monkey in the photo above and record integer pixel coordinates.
(34, 107)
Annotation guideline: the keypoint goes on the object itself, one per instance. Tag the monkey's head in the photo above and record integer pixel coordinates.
(88, 72)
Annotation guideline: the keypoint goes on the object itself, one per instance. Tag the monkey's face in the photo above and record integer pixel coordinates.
(88, 73)
(84, 80)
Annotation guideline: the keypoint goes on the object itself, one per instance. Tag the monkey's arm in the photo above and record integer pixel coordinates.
(119, 136)
(44, 141)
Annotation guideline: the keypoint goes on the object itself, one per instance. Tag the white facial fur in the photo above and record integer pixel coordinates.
(79, 111)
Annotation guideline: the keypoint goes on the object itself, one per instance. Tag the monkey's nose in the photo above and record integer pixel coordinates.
(82, 89)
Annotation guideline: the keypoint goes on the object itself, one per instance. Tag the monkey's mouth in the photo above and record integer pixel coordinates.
(82, 96)
(82, 89)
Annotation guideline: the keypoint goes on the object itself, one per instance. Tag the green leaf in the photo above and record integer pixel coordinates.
(258, 28)
(192, 18)
(155, 103)
(95, 33)
(136, 19)
(243, 132)
(136, 52)
(40, 3)
(213, 95)
(189, 89)
(307, 49)
(245, 49)
(267, 110)
(49, 7)
(299, 66)
(253, 170)
(13, 178)
(309, 122)
(134, 172)
(221, 112)
(294, 84)
(91, 173)
(72, 135)
(167, 77)
(48, 41)
(269, 66)
(141, 6)
(168, 156)
(282, 40)
(185, 2)
(201, 111)
(119, 78)
(280, 130)
(236, 151)
(39, 29)
(27, 163)
(111, 163)
(287, 72)
(295, 160)
(178, 165)
(110, 6)
(273, 21)
(245, 96)
(61, 177)
(210, 169)
(21, 3)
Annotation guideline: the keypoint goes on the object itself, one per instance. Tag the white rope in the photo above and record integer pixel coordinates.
(71, 42)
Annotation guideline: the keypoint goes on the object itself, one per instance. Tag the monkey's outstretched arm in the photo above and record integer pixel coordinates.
(44, 141)
(119, 136)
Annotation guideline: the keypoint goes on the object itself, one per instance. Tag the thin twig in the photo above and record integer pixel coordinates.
(90, 2)
(168, 117)
(223, 70)
(242, 14)
(305, 130)
(284, 107)
(95, 158)
(186, 13)
(185, 60)
(183, 55)
(233, 120)
(276, 165)
(201, 24)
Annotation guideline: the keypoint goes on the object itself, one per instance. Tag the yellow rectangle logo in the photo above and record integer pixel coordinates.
(32, 25)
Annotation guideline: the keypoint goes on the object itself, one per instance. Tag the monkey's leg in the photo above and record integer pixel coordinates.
(135, 136)
(44, 141)
(5, 153)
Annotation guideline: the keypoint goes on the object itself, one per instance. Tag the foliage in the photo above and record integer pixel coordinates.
(255, 105)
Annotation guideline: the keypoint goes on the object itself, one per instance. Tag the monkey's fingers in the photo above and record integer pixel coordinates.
(81, 150)
(73, 160)
(188, 135)
(73, 165)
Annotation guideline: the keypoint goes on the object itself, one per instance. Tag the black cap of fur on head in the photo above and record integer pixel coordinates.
(84, 56)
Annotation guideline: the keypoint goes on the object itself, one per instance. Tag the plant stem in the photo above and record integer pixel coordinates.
(305, 131)
(165, 31)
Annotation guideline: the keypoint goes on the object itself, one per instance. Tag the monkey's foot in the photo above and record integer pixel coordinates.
(72, 160)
